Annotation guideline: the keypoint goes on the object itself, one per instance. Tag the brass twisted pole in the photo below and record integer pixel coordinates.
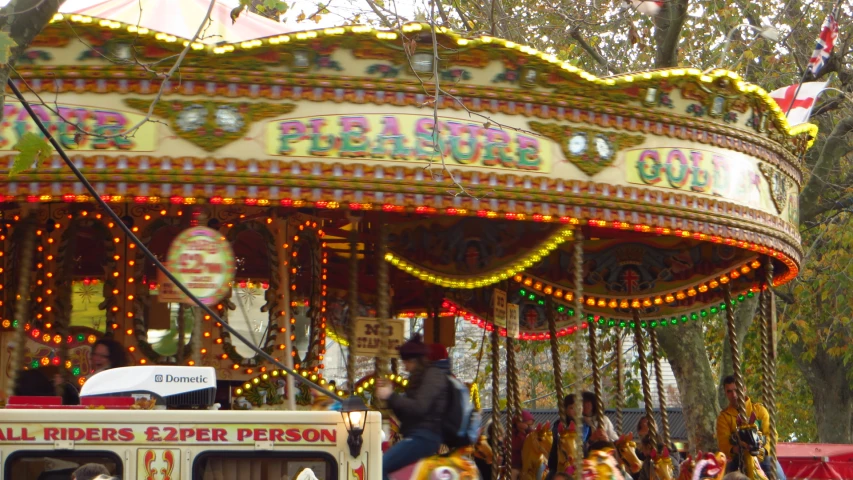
(497, 445)
(513, 410)
(620, 384)
(640, 342)
(67, 248)
(769, 362)
(353, 302)
(383, 307)
(578, 346)
(733, 343)
(22, 302)
(664, 415)
(555, 359)
(596, 376)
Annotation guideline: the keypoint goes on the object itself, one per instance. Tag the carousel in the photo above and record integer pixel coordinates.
(530, 198)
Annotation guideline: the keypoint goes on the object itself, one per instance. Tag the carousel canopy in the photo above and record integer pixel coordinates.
(683, 182)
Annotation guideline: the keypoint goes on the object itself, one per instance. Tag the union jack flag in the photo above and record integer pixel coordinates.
(828, 35)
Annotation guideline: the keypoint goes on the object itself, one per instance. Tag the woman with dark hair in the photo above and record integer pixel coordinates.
(590, 418)
(106, 354)
(419, 410)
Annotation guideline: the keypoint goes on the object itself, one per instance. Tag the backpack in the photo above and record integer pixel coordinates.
(460, 425)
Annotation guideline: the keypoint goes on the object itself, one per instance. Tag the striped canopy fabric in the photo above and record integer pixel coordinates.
(181, 18)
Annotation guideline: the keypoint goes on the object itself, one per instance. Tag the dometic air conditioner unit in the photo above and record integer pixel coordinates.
(169, 386)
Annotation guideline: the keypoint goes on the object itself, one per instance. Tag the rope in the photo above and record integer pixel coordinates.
(496, 407)
(353, 302)
(578, 347)
(664, 415)
(555, 359)
(620, 383)
(733, 343)
(64, 300)
(644, 373)
(25, 268)
(384, 300)
(769, 361)
(596, 375)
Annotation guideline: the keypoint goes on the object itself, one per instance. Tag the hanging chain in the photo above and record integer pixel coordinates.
(22, 304)
(768, 362)
(620, 383)
(733, 343)
(353, 302)
(664, 415)
(578, 344)
(596, 375)
(555, 359)
(497, 434)
(640, 343)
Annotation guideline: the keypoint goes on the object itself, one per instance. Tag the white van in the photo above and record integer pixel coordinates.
(50, 442)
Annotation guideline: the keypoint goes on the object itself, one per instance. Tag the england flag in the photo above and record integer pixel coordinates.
(801, 106)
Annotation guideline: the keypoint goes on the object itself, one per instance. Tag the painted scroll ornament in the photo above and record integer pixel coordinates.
(780, 185)
(589, 149)
(212, 125)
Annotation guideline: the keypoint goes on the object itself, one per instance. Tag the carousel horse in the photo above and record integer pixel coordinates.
(535, 450)
(567, 448)
(306, 474)
(753, 452)
(703, 467)
(626, 447)
(455, 465)
(602, 465)
(483, 450)
(662, 465)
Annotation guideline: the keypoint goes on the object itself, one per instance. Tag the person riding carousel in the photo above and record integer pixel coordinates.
(419, 410)
(571, 416)
(590, 418)
(727, 428)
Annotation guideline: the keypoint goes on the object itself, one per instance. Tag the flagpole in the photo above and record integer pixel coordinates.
(806, 72)
(797, 92)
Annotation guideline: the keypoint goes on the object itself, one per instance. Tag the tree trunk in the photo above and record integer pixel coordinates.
(23, 28)
(744, 316)
(684, 346)
(832, 395)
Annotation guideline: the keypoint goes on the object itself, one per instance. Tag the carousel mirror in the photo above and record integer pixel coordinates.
(306, 292)
(88, 303)
(251, 318)
(168, 326)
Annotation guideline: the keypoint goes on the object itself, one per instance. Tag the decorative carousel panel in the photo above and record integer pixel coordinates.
(42, 350)
(533, 313)
(470, 251)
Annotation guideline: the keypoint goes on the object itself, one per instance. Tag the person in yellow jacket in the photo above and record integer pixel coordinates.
(727, 426)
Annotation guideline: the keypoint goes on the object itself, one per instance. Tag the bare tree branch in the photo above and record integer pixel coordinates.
(836, 144)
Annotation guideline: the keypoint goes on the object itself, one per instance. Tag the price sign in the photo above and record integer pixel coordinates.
(369, 337)
(499, 304)
(204, 262)
(512, 320)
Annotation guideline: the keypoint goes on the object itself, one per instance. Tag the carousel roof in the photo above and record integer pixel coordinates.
(182, 20)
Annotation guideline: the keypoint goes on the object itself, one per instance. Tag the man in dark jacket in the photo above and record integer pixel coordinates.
(419, 409)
